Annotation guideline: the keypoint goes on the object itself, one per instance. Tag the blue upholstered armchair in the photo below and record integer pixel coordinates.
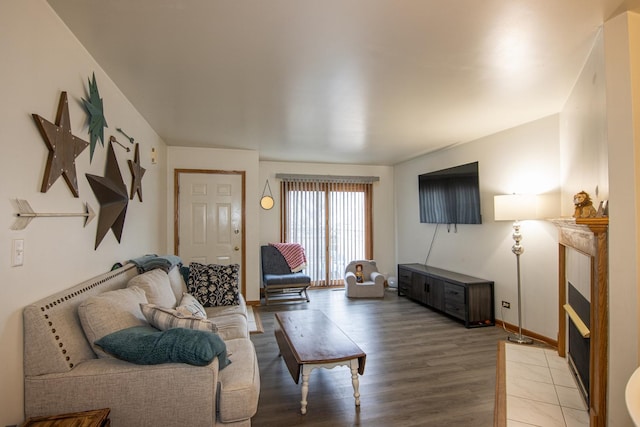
(278, 280)
(371, 284)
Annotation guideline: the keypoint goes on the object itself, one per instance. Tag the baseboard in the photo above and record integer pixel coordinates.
(541, 338)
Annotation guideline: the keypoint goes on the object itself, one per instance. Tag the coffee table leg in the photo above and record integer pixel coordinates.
(306, 372)
(355, 381)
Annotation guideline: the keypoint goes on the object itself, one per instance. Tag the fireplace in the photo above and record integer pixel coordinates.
(586, 236)
(579, 354)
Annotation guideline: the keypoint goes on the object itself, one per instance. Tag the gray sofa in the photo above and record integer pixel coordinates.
(63, 373)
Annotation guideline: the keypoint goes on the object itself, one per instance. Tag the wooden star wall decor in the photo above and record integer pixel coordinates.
(137, 172)
(63, 148)
(97, 122)
(112, 196)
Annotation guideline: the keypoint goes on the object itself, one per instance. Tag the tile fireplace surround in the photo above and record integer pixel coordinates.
(540, 389)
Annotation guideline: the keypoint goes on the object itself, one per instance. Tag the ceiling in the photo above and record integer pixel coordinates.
(340, 81)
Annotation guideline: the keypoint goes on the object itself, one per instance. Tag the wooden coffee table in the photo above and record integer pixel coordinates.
(94, 418)
(308, 340)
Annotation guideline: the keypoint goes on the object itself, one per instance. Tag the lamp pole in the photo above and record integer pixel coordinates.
(518, 250)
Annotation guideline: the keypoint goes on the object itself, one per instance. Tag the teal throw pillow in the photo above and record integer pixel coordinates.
(146, 345)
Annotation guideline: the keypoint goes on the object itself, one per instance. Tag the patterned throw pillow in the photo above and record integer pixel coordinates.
(214, 285)
(190, 306)
(168, 318)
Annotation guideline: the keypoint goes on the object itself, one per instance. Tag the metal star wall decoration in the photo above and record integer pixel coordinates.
(111, 193)
(137, 172)
(63, 148)
(97, 122)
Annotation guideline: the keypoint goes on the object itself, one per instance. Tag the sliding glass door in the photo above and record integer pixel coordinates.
(332, 221)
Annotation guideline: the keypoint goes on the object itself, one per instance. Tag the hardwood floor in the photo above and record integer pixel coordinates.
(422, 368)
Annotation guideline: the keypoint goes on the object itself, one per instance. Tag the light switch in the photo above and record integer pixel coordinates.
(17, 255)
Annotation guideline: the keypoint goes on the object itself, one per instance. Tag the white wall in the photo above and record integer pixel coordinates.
(524, 159)
(383, 206)
(229, 160)
(583, 134)
(40, 59)
(622, 59)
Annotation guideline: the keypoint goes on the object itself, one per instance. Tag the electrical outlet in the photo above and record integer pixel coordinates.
(506, 304)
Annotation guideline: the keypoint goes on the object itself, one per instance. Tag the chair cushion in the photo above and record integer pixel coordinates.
(273, 261)
(145, 345)
(286, 279)
(214, 285)
(368, 267)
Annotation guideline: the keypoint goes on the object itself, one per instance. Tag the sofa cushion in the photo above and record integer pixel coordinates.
(145, 345)
(177, 282)
(239, 383)
(168, 318)
(224, 310)
(156, 285)
(231, 326)
(109, 312)
(190, 306)
(213, 284)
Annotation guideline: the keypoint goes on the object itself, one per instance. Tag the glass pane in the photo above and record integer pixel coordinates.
(307, 221)
(347, 232)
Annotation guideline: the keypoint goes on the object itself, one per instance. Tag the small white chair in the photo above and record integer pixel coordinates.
(372, 285)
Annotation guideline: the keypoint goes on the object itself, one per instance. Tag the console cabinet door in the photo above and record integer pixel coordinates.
(435, 293)
(419, 287)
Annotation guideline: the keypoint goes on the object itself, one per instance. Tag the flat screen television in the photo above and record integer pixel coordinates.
(450, 196)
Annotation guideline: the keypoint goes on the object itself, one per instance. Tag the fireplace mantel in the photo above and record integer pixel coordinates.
(580, 233)
(589, 236)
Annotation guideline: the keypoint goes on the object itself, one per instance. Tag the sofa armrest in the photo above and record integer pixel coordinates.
(377, 278)
(166, 394)
(350, 278)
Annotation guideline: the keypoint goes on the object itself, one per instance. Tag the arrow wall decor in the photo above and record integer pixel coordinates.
(26, 214)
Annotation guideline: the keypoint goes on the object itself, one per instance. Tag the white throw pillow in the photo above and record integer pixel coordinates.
(190, 306)
(167, 318)
(155, 284)
(109, 312)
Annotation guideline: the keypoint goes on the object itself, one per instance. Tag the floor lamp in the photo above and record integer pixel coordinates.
(516, 207)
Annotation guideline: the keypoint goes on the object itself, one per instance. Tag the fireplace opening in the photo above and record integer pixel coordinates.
(579, 353)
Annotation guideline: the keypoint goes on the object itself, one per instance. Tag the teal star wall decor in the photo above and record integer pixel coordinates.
(97, 122)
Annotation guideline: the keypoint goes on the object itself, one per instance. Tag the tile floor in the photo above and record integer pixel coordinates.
(541, 391)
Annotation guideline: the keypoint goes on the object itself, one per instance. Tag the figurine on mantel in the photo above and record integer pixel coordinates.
(584, 206)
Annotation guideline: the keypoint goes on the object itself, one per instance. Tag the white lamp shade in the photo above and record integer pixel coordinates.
(513, 207)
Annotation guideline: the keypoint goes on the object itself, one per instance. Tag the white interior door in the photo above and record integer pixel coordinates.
(210, 228)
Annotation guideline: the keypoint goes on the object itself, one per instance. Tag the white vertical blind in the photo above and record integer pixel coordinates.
(331, 220)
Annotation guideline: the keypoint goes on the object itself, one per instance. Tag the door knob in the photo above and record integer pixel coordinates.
(236, 248)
